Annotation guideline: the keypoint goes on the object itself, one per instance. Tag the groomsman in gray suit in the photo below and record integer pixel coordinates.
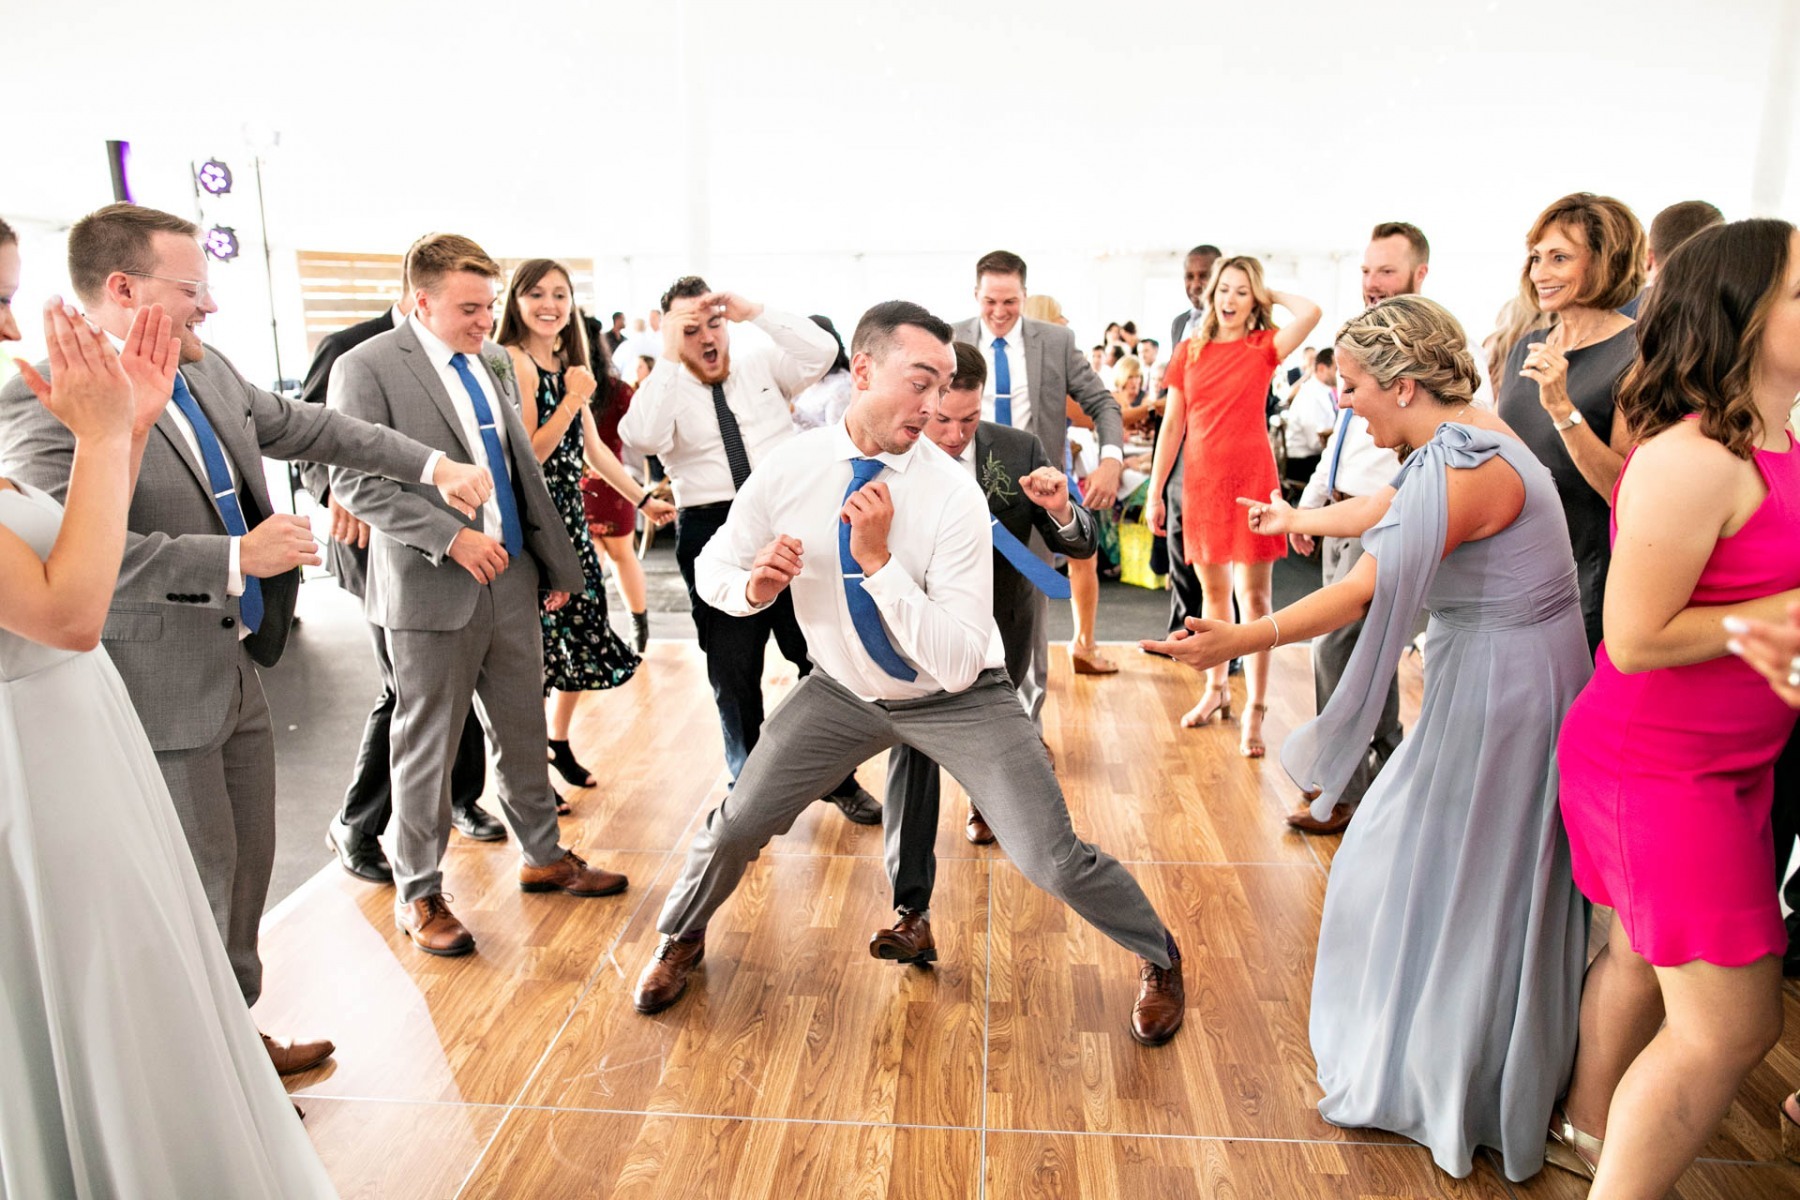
(1024, 492)
(1032, 366)
(458, 597)
(211, 571)
(887, 546)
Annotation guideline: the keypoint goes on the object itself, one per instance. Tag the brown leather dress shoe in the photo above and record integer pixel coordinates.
(432, 927)
(1303, 820)
(909, 941)
(1161, 1002)
(572, 875)
(291, 1057)
(977, 830)
(666, 977)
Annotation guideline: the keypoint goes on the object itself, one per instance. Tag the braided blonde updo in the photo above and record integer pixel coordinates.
(1410, 337)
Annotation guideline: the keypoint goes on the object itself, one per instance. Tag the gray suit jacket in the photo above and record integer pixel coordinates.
(173, 629)
(1002, 455)
(412, 582)
(1054, 368)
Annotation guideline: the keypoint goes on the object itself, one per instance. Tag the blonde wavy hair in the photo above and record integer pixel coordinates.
(1262, 313)
(1410, 337)
(1043, 308)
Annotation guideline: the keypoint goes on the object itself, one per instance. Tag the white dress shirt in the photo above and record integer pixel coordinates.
(1017, 376)
(1365, 467)
(439, 356)
(672, 414)
(1310, 416)
(935, 593)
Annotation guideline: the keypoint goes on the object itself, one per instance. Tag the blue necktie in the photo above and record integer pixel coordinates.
(1337, 451)
(1002, 384)
(863, 613)
(1036, 571)
(512, 534)
(224, 495)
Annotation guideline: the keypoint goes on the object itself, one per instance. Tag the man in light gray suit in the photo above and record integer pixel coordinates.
(1032, 366)
(458, 598)
(207, 589)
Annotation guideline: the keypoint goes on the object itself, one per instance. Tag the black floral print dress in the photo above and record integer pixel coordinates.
(581, 651)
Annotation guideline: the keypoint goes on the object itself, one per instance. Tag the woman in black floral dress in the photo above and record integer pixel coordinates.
(549, 352)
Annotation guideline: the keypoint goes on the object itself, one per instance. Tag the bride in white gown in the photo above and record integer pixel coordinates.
(129, 1066)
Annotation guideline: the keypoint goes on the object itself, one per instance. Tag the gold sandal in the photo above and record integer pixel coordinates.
(1790, 1127)
(1194, 718)
(1571, 1149)
(1251, 745)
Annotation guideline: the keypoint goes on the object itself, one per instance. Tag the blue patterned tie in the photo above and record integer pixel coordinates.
(1002, 384)
(224, 495)
(863, 613)
(1038, 573)
(512, 533)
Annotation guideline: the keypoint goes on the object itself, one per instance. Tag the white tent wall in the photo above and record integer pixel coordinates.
(824, 155)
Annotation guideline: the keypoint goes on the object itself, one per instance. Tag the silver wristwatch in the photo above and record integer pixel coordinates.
(1573, 420)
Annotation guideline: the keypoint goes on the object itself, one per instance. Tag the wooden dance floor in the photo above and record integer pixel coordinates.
(797, 1066)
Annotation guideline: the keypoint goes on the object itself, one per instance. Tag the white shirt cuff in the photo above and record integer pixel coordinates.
(431, 466)
(234, 572)
(1112, 452)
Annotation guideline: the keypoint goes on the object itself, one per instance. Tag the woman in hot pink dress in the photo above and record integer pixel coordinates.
(1668, 757)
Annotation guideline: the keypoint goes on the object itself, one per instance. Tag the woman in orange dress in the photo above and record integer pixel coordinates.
(1218, 380)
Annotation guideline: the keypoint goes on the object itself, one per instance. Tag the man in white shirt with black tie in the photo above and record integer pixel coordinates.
(885, 546)
(712, 417)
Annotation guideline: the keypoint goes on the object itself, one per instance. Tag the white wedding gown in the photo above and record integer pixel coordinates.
(129, 1066)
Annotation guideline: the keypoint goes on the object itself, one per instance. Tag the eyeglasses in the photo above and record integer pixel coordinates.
(201, 292)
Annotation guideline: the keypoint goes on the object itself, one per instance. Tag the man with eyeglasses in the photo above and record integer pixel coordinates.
(206, 593)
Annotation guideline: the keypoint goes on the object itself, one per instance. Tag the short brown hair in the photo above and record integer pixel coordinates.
(971, 369)
(1609, 229)
(118, 238)
(1000, 262)
(7, 236)
(1679, 222)
(439, 254)
(1415, 237)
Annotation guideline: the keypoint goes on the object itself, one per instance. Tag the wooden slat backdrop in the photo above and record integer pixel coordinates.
(338, 290)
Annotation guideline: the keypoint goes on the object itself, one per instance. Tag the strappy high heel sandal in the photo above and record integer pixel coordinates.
(563, 759)
(1790, 1128)
(1569, 1148)
(1251, 744)
(1204, 713)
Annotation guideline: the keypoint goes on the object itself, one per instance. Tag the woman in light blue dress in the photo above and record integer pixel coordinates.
(1447, 986)
(129, 1065)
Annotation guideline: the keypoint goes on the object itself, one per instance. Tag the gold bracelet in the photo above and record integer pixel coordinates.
(1270, 617)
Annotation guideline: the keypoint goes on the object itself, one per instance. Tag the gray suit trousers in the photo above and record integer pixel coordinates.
(981, 735)
(496, 660)
(224, 793)
(1330, 654)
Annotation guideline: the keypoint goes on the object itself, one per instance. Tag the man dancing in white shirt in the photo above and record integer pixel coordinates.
(897, 611)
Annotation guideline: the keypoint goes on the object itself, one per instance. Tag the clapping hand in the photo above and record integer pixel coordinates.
(88, 390)
(776, 566)
(1201, 645)
(1274, 517)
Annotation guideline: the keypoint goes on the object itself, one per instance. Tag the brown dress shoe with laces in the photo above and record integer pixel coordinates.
(1303, 820)
(666, 977)
(977, 830)
(572, 875)
(909, 941)
(1161, 1002)
(432, 927)
(291, 1057)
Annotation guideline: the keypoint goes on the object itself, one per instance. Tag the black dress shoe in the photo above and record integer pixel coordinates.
(859, 807)
(477, 825)
(358, 853)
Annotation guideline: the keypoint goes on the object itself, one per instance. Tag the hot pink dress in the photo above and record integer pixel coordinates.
(1668, 775)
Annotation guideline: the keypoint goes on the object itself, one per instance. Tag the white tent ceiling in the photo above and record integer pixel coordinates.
(839, 152)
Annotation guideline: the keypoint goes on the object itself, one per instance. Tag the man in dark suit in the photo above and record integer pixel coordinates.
(369, 800)
(1184, 581)
(207, 588)
(1024, 492)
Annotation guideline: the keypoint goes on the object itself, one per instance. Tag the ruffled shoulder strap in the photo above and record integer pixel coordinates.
(1407, 545)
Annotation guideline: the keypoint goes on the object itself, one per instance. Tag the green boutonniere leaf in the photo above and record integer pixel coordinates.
(501, 366)
(996, 480)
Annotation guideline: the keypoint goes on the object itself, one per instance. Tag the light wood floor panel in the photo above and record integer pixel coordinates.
(550, 1155)
(798, 1066)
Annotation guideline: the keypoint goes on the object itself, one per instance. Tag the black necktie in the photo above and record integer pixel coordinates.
(735, 453)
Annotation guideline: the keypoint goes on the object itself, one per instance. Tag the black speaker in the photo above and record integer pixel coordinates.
(117, 153)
